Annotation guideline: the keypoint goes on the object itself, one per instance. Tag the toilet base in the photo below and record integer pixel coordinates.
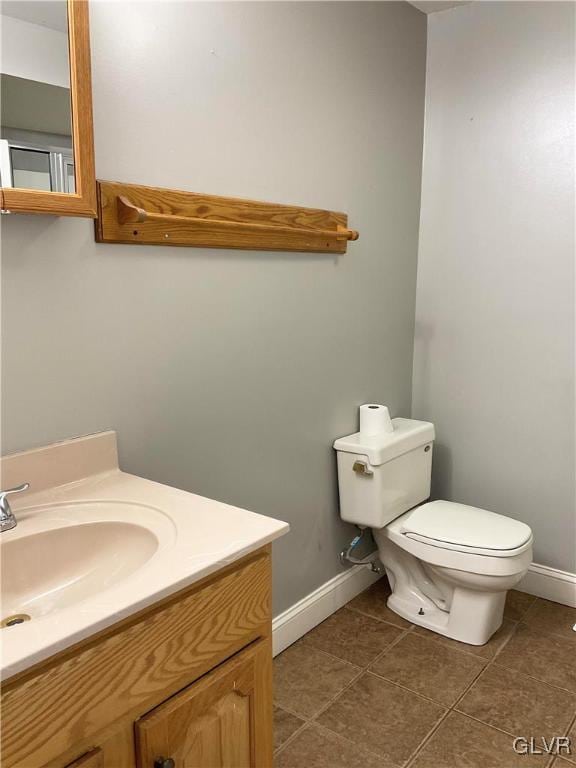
(456, 624)
(463, 606)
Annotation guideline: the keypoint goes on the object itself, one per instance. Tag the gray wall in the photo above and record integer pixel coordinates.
(230, 373)
(494, 353)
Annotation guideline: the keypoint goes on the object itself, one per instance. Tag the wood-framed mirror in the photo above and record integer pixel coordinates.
(46, 132)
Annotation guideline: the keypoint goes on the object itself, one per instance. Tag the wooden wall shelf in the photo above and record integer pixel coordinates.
(129, 213)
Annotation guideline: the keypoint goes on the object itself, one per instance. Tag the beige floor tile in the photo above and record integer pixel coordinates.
(487, 651)
(517, 603)
(352, 637)
(305, 679)
(552, 618)
(315, 747)
(461, 742)
(372, 602)
(285, 724)
(549, 658)
(518, 704)
(385, 719)
(429, 668)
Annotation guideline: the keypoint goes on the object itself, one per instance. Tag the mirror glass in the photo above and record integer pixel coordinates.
(36, 149)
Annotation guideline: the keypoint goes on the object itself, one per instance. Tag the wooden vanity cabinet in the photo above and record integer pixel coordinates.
(185, 684)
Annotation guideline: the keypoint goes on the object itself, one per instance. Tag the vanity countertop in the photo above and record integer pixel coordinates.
(184, 537)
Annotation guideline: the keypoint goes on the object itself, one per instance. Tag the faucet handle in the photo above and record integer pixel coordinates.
(17, 489)
(7, 519)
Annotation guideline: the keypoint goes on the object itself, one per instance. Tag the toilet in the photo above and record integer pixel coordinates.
(449, 565)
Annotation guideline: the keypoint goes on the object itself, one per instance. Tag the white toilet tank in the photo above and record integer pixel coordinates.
(383, 476)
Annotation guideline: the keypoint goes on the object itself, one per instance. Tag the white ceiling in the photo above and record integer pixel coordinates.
(47, 13)
(433, 6)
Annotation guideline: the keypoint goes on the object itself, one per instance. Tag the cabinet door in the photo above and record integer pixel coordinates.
(224, 720)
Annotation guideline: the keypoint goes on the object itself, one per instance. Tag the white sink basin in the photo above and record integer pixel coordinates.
(61, 555)
(94, 546)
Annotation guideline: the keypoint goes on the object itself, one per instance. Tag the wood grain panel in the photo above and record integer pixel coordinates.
(92, 759)
(66, 704)
(83, 202)
(115, 744)
(118, 748)
(221, 222)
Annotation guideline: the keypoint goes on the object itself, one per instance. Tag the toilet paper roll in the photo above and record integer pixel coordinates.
(374, 420)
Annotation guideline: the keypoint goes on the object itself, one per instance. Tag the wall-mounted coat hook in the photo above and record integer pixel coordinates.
(133, 214)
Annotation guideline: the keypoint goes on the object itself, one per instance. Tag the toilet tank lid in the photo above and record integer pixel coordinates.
(408, 434)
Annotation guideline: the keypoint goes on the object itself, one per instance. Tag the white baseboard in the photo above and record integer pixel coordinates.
(542, 581)
(318, 605)
(550, 583)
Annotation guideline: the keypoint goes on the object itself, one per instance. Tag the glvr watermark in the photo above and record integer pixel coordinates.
(555, 745)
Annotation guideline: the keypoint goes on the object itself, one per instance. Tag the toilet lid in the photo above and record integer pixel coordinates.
(466, 529)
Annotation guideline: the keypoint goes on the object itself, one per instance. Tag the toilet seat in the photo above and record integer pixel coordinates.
(466, 529)
(489, 562)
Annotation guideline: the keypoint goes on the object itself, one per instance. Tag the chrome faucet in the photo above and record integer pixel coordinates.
(7, 519)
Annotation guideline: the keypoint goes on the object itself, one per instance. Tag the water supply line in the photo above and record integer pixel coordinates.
(372, 560)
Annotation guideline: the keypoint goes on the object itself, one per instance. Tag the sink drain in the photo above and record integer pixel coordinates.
(17, 618)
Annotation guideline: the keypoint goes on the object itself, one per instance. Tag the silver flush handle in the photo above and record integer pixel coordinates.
(361, 468)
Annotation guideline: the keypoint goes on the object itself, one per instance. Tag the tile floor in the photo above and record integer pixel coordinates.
(367, 689)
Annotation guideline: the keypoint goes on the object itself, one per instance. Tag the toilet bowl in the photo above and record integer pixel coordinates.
(449, 565)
